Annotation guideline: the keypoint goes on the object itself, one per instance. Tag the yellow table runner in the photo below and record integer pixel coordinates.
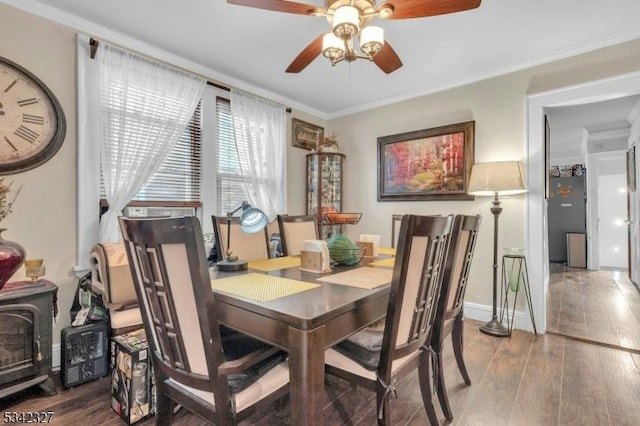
(275, 264)
(365, 277)
(387, 250)
(260, 287)
(387, 263)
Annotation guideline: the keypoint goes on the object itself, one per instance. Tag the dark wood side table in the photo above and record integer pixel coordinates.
(27, 310)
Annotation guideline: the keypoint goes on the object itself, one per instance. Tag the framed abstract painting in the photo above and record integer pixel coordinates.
(430, 164)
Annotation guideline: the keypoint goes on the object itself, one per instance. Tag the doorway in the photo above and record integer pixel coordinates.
(537, 242)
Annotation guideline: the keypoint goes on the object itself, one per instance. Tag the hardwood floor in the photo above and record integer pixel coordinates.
(597, 306)
(522, 380)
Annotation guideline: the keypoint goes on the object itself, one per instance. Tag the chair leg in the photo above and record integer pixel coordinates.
(457, 340)
(425, 388)
(442, 389)
(383, 403)
(164, 407)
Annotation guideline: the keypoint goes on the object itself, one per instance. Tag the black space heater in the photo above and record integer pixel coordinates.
(85, 353)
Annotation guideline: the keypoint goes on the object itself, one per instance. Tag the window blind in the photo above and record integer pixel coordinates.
(230, 184)
(178, 180)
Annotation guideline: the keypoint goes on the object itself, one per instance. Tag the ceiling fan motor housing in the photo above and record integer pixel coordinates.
(367, 9)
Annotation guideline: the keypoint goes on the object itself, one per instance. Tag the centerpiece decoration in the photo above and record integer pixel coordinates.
(343, 251)
(328, 144)
(12, 254)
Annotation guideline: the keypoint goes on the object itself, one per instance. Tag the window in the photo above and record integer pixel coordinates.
(177, 181)
(230, 185)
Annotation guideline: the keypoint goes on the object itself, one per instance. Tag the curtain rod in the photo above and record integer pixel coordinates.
(94, 49)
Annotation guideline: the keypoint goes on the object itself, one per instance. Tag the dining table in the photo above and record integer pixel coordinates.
(303, 313)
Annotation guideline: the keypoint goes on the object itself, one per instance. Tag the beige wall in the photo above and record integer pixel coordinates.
(498, 107)
(44, 216)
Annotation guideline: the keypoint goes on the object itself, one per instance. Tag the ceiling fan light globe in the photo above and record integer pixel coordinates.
(371, 40)
(332, 47)
(346, 22)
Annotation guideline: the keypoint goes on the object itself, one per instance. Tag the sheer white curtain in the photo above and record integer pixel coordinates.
(260, 133)
(144, 108)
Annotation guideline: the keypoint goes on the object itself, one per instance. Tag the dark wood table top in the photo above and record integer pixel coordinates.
(307, 309)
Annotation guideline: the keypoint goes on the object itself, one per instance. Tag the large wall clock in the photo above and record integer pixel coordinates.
(32, 123)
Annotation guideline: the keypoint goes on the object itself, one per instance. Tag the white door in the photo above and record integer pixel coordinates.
(612, 221)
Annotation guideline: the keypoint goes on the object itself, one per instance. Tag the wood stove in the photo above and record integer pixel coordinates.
(26, 313)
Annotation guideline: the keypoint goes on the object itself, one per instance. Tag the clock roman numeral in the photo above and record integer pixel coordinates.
(26, 102)
(26, 134)
(32, 119)
(11, 85)
(10, 144)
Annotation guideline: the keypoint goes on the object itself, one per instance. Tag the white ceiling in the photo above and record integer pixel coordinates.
(250, 48)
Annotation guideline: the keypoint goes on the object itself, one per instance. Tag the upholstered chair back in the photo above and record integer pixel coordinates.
(246, 246)
(415, 286)
(294, 230)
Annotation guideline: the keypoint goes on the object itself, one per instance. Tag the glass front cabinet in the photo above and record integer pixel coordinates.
(324, 189)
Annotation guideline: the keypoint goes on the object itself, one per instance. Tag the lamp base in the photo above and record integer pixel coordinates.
(232, 265)
(495, 328)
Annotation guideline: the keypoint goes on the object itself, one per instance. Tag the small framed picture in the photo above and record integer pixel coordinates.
(305, 135)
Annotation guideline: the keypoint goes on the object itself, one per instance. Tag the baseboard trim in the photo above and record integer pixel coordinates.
(483, 313)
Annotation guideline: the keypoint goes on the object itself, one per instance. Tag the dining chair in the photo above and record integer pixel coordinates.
(375, 359)
(294, 230)
(449, 312)
(218, 374)
(246, 246)
(396, 219)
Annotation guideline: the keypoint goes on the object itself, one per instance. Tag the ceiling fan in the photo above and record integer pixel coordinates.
(350, 18)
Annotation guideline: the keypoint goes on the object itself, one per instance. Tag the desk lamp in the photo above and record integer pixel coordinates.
(493, 179)
(252, 220)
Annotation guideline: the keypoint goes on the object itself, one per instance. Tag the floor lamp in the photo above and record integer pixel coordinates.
(252, 220)
(495, 179)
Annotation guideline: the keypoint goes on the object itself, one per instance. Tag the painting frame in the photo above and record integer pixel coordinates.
(305, 135)
(428, 181)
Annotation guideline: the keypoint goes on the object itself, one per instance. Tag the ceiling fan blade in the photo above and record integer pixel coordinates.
(277, 5)
(405, 9)
(387, 59)
(307, 55)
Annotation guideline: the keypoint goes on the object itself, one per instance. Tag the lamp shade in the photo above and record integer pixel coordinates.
(332, 47)
(500, 177)
(346, 22)
(253, 220)
(371, 40)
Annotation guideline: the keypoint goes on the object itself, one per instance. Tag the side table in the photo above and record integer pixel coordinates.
(515, 277)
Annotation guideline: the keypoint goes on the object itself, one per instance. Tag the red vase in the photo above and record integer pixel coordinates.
(11, 258)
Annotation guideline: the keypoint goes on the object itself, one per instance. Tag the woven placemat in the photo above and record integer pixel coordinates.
(387, 263)
(365, 277)
(260, 287)
(387, 250)
(275, 264)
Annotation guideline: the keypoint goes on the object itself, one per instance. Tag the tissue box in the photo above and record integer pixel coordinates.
(311, 261)
(371, 243)
(132, 380)
(314, 256)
